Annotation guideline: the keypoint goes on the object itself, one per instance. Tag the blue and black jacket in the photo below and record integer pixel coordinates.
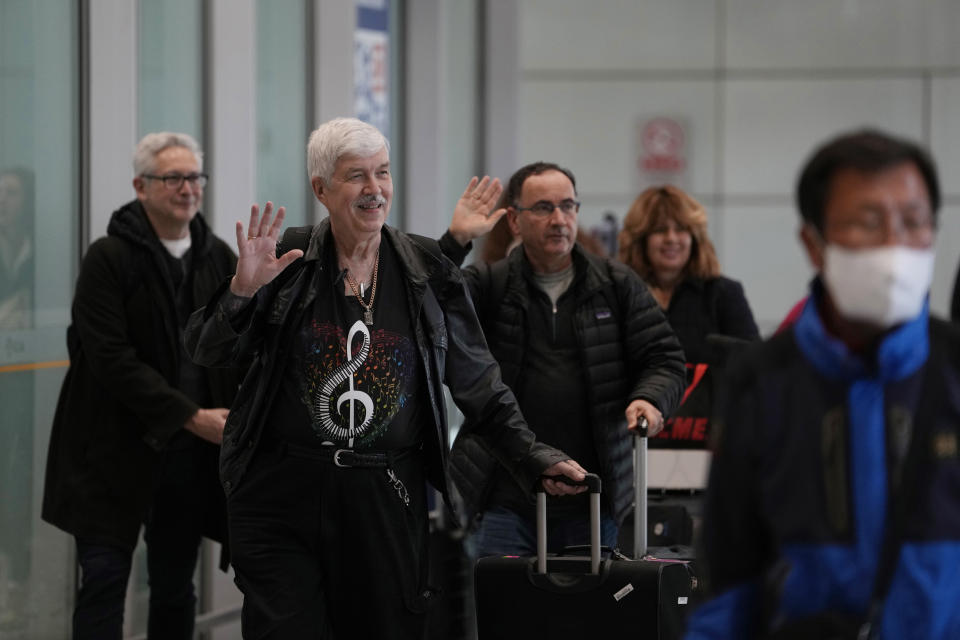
(821, 454)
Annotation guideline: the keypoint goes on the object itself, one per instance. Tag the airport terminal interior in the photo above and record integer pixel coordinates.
(723, 98)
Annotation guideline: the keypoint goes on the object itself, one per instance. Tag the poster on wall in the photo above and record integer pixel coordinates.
(371, 68)
(662, 151)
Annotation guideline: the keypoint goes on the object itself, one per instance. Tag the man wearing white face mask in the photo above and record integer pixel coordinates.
(836, 475)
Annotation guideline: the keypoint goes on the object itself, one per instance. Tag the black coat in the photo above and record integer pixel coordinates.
(699, 308)
(119, 404)
(627, 352)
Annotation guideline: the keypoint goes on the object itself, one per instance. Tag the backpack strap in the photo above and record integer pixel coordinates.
(614, 293)
(614, 298)
(498, 279)
(295, 238)
(494, 278)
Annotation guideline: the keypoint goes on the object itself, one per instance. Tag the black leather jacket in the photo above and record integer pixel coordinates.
(449, 341)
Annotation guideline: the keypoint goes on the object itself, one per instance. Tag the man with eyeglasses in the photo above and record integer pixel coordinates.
(138, 425)
(582, 343)
(833, 508)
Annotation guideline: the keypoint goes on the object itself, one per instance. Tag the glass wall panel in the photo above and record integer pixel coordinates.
(397, 143)
(375, 67)
(282, 102)
(461, 84)
(38, 138)
(169, 98)
(170, 92)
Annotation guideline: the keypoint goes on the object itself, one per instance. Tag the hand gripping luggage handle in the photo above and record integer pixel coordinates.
(592, 482)
(640, 490)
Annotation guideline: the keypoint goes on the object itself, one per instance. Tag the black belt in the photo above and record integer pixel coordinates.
(338, 456)
(350, 458)
(344, 458)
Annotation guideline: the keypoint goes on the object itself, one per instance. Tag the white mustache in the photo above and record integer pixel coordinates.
(366, 200)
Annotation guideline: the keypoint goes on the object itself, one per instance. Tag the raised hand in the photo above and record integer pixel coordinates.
(474, 215)
(258, 263)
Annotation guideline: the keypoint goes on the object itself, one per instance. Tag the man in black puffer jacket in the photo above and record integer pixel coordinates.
(137, 429)
(583, 345)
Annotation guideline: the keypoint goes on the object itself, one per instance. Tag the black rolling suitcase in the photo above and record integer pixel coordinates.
(527, 598)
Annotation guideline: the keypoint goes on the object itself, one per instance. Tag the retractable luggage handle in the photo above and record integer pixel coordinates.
(640, 489)
(592, 482)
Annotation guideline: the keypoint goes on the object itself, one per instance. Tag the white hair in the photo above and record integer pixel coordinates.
(153, 143)
(340, 137)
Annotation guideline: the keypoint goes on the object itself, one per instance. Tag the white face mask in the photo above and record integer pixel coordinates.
(884, 286)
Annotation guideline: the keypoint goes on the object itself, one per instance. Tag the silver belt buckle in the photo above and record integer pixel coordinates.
(336, 458)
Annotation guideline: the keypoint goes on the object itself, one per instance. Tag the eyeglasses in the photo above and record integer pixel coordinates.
(175, 180)
(873, 227)
(544, 208)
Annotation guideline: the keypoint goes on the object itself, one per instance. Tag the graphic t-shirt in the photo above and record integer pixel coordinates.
(347, 383)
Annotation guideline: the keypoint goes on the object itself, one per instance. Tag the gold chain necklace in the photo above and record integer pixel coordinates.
(367, 308)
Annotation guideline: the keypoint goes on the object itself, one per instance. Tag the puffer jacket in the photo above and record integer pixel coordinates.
(448, 338)
(627, 349)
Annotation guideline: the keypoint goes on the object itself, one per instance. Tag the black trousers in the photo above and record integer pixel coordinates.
(327, 552)
(173, 529)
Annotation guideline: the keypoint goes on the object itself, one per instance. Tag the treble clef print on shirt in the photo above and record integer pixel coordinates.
(322, 397)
